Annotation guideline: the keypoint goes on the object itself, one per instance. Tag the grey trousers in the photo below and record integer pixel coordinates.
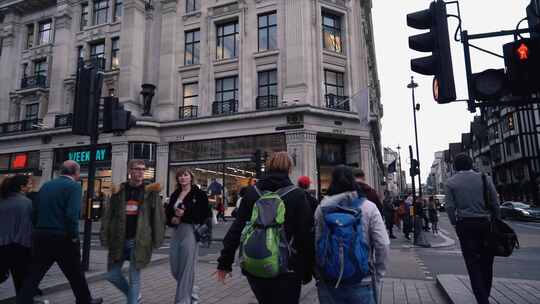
(183, 259)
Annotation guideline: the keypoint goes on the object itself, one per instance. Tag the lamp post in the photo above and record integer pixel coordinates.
(412, 85)
(400, 172)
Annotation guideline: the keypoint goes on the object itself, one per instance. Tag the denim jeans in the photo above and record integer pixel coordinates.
(345, 294)
(115, 276)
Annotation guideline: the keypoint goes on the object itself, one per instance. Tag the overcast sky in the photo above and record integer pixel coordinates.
(438, 125)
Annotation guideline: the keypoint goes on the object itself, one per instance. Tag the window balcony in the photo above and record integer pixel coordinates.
(63, 120)
(267, 102)
(187, 112)
(337, 102)
(224, 107)
(20, 126)
(32, 82)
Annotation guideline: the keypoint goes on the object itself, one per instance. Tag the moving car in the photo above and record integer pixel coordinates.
(519, 210)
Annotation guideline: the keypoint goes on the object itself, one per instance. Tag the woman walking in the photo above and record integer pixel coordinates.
(433, 216)
(15, 227)
(188, 206)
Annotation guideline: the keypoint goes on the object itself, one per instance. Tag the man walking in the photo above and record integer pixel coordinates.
(133, 209)
(56, 235)
(371, 194)
(467, 211)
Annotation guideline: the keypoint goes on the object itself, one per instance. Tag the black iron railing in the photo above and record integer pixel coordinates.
(20, 126)
(63, 120)
(337, 102)
(224, 107)
(267, 102)
(188, 112)
(31, 82)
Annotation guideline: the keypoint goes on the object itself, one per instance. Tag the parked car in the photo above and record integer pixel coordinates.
(440, 201)
(519, 210)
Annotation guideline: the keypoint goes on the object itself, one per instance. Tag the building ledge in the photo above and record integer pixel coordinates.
(191, 67)
(265, 54)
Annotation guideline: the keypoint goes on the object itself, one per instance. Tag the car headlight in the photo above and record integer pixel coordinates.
(524, 212)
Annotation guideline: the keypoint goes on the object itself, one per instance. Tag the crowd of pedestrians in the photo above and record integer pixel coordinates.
(285, 237)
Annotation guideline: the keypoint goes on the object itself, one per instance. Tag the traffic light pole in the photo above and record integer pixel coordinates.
(411, 86)
(411, 173)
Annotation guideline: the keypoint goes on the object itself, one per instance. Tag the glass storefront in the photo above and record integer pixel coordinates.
(222, 166)
(147, 152)
(21, 163)
(330, 153)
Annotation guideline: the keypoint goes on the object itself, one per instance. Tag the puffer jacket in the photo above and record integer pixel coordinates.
(150, 225)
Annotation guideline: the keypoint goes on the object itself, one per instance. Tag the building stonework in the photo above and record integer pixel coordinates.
(231, 77)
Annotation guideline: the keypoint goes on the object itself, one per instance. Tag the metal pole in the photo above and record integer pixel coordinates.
(413, 191)
(400, 172)
(411, 86)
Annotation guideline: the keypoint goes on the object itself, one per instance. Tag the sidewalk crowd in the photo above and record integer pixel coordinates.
(285, 237)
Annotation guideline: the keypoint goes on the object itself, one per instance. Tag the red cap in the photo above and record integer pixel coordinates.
(304, 182)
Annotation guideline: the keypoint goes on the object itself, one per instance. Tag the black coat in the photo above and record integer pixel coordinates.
(197, 208)
(298, 225)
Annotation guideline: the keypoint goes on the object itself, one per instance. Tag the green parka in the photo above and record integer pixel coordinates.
(150, 225)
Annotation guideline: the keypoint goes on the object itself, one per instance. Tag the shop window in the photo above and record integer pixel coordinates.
(192, 47)
(101, 8)
(267, 24)
(118, 8)
(146, 151)
(29, 36)
(44, 33)
(85, 14)
(192, 6)
(331, 153)
(228, 40)
(115, 53)
(331, 27)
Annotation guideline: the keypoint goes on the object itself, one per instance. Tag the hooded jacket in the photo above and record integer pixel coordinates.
(150, 225)
(298, 225)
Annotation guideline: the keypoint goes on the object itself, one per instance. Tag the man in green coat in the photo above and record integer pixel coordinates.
(133, 225)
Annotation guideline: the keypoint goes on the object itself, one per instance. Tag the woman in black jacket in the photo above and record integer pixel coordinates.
(284, 289)
(188, 206)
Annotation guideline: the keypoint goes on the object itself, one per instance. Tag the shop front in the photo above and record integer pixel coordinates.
(221, 166)
(330, 153)
(21, 163)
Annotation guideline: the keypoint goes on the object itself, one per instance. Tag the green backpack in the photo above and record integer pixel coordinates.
(264, 250)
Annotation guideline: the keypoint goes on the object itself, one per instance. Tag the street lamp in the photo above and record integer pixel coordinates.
(412, 85)
(399, 168)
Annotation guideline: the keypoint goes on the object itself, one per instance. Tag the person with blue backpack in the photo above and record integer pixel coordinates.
(351, 243)
(273, 232)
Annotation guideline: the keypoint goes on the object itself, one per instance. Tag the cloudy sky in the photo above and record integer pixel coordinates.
(438, 125)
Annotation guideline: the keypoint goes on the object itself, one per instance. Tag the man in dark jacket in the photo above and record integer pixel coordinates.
(284, 289)
(371, 194)
(303, 183)
(56, 235)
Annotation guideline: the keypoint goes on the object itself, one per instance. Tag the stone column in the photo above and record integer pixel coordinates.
(119, 159)
(162, 166)
(302, 147)
(367, 158)
(166, 87)
(132, 55)
(9, 61)
(46, 163)
(60, 67)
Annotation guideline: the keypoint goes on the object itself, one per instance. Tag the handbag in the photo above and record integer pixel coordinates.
(502, 239)
(203, 232)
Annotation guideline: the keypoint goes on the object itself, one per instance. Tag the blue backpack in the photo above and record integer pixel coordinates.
(342, 253)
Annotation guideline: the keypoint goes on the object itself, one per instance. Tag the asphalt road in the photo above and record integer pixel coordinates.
(523, 264)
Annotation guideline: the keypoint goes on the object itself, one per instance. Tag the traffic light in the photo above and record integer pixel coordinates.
(489, 85)
(436, 41)
(85, 108)
(115, 118)
(522, 61)
(415, 168)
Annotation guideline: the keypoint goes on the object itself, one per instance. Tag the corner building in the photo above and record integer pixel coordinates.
(230, 77)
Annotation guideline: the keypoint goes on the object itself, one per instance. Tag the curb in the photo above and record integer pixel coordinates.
(448, 241)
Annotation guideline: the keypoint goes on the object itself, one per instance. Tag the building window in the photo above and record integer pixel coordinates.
(332, 32)
(192, 6)
(118, 7)
(84, 15)
(97, 52)
(267, 83)
(191, 94)
(228, 40)
(267, 32)
(333, 83)
(44, 35)
(31, 111)
(101, 8)
(192, 45)
(29, 36)
(40, 68)
(227, 88)
(115, 53)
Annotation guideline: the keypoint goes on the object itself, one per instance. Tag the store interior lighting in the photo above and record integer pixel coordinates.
(219, 173)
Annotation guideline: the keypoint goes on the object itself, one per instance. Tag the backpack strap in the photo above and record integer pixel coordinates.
(257, 190)
(285, 190)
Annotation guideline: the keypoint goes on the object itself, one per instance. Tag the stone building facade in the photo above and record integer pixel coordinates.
(230, 77)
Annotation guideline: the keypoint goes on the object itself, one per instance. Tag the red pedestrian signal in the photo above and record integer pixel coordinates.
(523, 52)
(522, 61)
